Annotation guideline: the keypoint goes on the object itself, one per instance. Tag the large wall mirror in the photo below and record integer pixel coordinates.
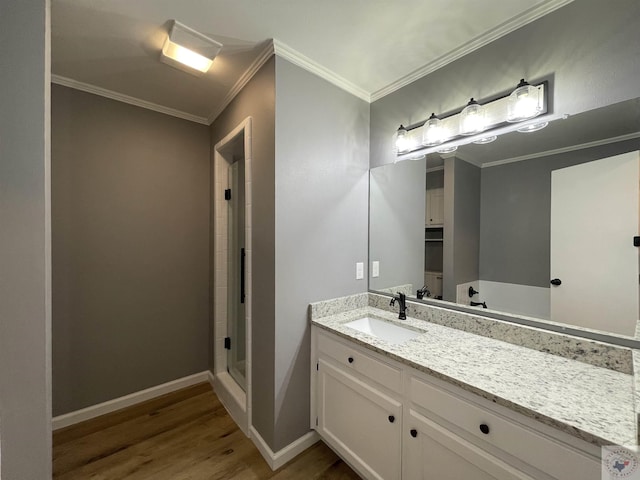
(541, 225)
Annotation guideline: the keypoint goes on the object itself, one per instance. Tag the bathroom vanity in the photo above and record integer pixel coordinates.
(448, 403)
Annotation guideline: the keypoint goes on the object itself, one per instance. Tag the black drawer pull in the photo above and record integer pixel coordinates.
(414, 432)
(350, 359)
(392, 418)
(484, 428)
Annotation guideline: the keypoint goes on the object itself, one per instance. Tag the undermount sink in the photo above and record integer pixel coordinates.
(387, 331)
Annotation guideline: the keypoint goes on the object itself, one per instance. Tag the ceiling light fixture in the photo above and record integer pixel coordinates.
(188, 50)
(521, 109)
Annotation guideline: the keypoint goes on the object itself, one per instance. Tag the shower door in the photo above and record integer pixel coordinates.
(236, 281)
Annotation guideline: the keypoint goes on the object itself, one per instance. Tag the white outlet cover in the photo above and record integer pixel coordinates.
(375, 269)
(359, 271)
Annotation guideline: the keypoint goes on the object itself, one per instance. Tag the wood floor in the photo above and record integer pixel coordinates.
(185, 435)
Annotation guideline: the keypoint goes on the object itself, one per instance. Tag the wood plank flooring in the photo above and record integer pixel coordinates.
(184, 435)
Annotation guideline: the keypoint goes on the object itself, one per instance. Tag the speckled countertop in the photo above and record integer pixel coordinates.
(592, 403)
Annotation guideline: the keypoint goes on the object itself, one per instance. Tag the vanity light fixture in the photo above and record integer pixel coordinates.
(524, 103)
(534, 127)
(524, 109)
(447, 149)
(432, 131)
(485, 140)
(400, 140)
(188, 50)
(472, 118)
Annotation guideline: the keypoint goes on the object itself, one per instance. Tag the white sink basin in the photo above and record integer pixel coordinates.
(389, 332)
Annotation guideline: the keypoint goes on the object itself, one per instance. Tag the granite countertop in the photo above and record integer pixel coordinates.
(592, 403)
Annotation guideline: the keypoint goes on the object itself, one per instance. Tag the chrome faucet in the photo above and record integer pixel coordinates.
(402, 303)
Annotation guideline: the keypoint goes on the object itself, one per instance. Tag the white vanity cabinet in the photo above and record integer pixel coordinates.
(391, 421)
(357, 415)
(430, 451)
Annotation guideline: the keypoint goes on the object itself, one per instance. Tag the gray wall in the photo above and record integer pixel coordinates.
(515, 230)
(130, 213)
(322, 163)
(462, 226)
(396, 224)
(257, 99)
(25, 259)
(587, 49)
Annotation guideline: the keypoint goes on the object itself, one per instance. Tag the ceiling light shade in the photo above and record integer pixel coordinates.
(189, 50)
(525, 102)
(432, 132)
(400, 140)
(472, 118)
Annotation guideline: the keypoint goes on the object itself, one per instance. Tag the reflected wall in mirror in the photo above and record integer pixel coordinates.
(506, 218)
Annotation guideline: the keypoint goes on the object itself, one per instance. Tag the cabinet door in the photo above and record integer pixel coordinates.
(363, 424)
(435, 207)
(434, 453)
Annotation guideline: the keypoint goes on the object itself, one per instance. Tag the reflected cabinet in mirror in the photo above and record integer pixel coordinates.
(539, 228)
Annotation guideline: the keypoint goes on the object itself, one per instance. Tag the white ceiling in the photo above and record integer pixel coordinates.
(368, 47)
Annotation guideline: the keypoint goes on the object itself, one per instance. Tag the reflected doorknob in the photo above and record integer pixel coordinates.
(556, 282)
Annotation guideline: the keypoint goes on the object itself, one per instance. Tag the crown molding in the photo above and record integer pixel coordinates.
(248, 74)
(103, 92)
(557, 151)
(284, 51)
(501, 30)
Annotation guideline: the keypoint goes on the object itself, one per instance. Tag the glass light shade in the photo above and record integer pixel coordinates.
(447, 149)
(524, 103)
(533, 127)
(485, 140)
(400, 141)
(472, 118)
(432, 132)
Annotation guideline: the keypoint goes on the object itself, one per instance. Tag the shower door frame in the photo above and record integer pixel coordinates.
(236, 401)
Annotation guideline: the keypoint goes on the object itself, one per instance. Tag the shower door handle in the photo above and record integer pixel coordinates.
(242, 255)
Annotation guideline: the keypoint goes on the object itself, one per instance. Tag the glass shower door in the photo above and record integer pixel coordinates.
(236, 281)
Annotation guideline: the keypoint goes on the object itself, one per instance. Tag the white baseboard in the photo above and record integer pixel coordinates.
(93, 411)
(279, 458)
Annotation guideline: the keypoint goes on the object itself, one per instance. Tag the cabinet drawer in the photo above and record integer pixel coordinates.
(557, 459)
(354, 359)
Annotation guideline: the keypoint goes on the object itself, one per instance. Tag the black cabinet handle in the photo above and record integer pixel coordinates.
(350, 359)
(392, 419)
(414, 432)
(484, 428)
(556, 282)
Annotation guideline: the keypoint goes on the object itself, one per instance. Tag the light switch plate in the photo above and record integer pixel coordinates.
(375, 269)
(359, 271)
